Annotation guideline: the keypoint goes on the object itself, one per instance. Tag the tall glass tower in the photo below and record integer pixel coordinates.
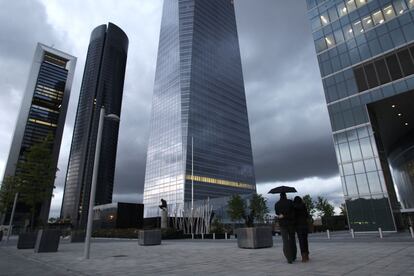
(42, 112)
(102, 85)
(199, 125)
(365, 50)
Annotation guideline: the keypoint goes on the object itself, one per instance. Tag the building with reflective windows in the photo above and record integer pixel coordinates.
(365, 50)
(102, 85)
(42, 112)
(199, 124)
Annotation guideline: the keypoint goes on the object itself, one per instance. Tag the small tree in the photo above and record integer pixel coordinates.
(37, 174)
(324, 207)
(8, 190)
(216, 226)
(310, 205)
(256, 210)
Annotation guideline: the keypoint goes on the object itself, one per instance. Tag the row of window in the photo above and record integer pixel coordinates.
(385, 69)
(337, 12)
(347, 32)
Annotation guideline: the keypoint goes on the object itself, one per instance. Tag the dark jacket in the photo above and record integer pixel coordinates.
(285, 207)
(301, 214)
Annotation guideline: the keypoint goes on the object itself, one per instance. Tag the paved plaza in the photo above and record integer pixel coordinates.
(340, 255)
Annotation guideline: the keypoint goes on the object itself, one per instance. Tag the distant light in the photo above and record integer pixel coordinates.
(399, 114)
(350, 31)
(393, 106)
(389, 11)
(344, 10)
(406, 124)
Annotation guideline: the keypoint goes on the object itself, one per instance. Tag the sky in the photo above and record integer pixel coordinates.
(289, 123)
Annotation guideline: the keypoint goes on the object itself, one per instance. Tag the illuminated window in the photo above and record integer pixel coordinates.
(342, 10)
(411, 4)
(361, 3)
(348, 32)
(350, 5)
(324, 19)
(378, 18)
(330, 41)
(357, 26)
(400, 6)
(367, 23)
(389, 12)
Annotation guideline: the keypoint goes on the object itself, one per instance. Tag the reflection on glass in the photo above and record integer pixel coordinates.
(342, 10)
(348, 169)
(366, 148)
(351, 185)
(374, 182)
(320, 45)
(344, 186)
(359, 167)
(362, 132)
(345, 155)
(399, 6)
(360, 3)
(355, 150)
(378, 18)
(389, 12)
(411, 4)
(357, 26)
(339, 37)
(352, 135)
(362, 183)
(367, 22)
(348, 32)
(330, 41)
(324, 19)
(350, 4)
(370, 165)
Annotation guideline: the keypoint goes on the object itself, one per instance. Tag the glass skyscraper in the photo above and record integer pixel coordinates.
(365, 50)
(199, 124)
(102, 85)
(42, 112)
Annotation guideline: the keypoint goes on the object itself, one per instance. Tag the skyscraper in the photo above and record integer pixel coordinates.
(365, 50)
(42, 112)
(199, 124)
(102, 85)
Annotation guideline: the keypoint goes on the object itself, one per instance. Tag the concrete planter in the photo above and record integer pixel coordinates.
(27, 240)
(77, 236)
(149, 237)
(47, 241)
(254, 237)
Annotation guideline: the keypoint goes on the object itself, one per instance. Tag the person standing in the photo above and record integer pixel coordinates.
(301, 226)
(285, 213)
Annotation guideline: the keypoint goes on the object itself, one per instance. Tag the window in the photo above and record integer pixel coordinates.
(374, 182)
(360, 79)
(348, 32)
(339, 37)
(357, 26)
(351, 185)
(324, 19)
(389, 12)
(342, 10)
(330, 41)
(367, 22)
(350, 5)
(362, 183)
(359, 167)
(371, 75)
(394, 67)
(348, 169)
(333, 15)
(360, 3)
(378, 17)
(410, 4)
(406, 62)
(316, 23)
(400, 6)
(382, 71)
(320, 45)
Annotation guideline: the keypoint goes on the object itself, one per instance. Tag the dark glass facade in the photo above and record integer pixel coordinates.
(102, 85)
(366, 56)
(199, 116)
(42, 112)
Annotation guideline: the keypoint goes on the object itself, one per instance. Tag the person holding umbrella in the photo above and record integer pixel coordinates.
(285, 213)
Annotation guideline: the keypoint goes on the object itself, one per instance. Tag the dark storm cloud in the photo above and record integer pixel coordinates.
(288, 118)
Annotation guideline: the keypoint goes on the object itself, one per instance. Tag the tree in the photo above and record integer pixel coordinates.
(324, 207)
(8, 191)
(256, 210)
(310, 205)
(343, 209)
(37, 173)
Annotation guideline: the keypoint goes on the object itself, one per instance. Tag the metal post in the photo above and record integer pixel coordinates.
(412, 232)
(202, 236)
(352, 233)
(94, 182)
(328, 234)
(192, 236)
(380, 232)
(12, 217)
(214, 236)
(225, 235)
(192, 184)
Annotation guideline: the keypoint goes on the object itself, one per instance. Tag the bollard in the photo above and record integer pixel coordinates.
(328, 234)
(202, 236)
(214, 236)
(412, 232)
(192, 236)
(352, 233)
(225, 235)
(380, 232)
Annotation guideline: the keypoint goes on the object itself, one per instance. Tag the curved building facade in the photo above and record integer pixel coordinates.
(102, 85)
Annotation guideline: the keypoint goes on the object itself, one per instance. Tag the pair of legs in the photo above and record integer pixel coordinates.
(302, 232)
(289, 243)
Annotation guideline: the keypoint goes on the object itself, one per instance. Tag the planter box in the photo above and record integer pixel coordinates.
(149, 237)
(47, 241)
(77, 236)
(27, 240)
(254, 237)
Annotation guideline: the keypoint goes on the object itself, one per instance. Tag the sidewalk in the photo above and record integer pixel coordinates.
(179, 257)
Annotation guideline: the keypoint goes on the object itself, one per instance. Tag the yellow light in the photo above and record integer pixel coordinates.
(369, 21)
(328, 41)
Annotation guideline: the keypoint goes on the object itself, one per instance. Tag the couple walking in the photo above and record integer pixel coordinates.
(293, 218)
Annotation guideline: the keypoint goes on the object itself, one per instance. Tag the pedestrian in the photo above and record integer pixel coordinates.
(302, 226)
(285, 213)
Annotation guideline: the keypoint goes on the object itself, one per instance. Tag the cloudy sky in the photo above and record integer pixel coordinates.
(289, 123)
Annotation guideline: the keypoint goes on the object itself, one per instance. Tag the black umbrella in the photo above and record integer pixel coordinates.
(283, 189)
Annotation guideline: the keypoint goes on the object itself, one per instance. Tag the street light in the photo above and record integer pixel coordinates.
(102, 116)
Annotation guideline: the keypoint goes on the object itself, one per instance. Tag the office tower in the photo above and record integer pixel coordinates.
(102, 85)
(199, 125)
(42, 113)
(365, 51)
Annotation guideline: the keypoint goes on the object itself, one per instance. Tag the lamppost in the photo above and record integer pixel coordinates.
(102, 116)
